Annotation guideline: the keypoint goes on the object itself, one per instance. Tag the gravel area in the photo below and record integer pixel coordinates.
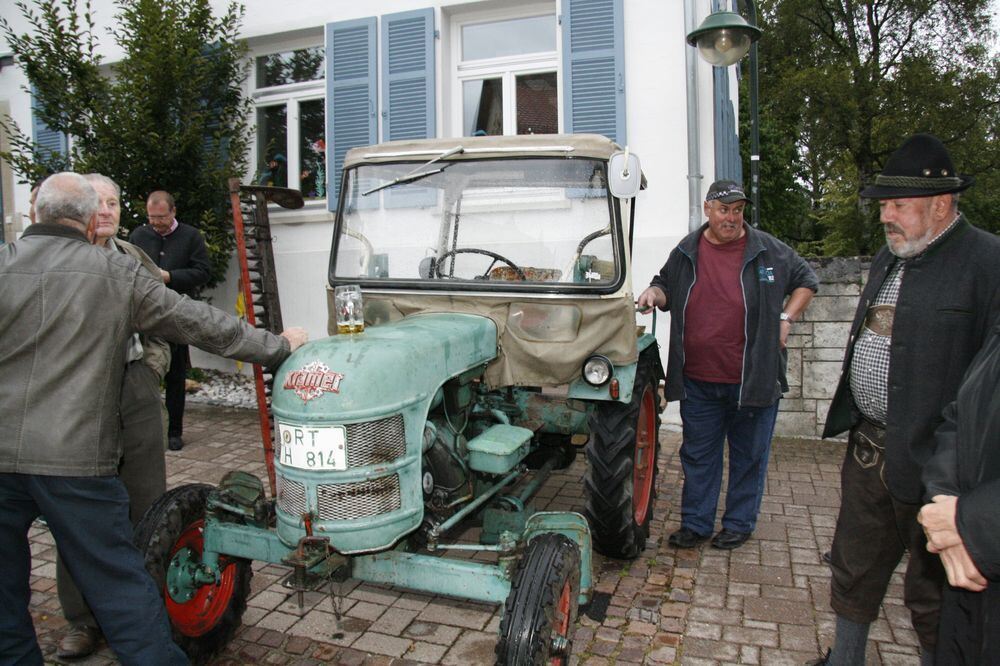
(225, 389)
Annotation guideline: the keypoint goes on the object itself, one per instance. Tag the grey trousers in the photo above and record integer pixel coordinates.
(143, 470)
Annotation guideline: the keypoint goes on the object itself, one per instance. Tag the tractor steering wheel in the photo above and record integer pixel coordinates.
(472, 250)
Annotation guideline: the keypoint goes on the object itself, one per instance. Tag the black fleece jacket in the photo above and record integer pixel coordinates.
(966, 463)
(771, 271)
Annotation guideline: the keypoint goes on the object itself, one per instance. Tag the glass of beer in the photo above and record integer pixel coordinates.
(350, 308)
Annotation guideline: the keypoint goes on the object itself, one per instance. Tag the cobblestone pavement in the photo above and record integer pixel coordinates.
(765, 603)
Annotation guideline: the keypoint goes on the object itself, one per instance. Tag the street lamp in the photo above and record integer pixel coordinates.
(722, 39)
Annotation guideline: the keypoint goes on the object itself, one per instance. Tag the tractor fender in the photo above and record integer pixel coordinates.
(573, 526)
(625, 374)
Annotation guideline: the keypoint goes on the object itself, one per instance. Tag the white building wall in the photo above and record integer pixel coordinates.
(656, 121)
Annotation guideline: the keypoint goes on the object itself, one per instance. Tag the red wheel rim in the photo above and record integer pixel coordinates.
(643, 464)
(202, 612)
(561, 623)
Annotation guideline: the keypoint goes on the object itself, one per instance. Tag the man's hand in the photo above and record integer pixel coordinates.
(91, 231)
(165, 275)
(938, 520)
(786, 328)
(962, 571)
(296, 336)
(650, 298)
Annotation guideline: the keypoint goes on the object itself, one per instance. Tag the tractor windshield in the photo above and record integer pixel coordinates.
(501, 224)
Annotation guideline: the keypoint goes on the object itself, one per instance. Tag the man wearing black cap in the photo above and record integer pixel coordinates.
(726, 285)
(931, 295)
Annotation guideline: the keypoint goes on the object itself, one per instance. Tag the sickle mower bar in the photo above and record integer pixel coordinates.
(259, 284)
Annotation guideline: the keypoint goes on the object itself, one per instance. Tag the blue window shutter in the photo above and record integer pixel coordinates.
(351, 97)
(594, 67)
(407, 51)
(214, 106)
(408, 75)
(727, 141)
(47, 140)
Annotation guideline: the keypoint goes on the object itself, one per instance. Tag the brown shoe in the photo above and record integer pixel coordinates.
(80, 642)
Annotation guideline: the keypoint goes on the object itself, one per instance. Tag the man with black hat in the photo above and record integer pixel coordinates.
(932, 293)
(726, 285)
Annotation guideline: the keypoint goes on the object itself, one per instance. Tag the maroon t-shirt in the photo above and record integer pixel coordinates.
(714, 319)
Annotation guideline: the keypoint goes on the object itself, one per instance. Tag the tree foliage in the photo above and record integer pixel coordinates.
(844, 82)
(170, 115)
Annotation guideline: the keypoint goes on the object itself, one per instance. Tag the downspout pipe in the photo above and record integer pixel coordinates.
(754, 123)
(693, 123)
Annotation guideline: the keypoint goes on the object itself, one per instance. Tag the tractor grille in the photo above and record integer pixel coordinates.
(375, 442)
(346, 501)
(291, 496)
(371, 442)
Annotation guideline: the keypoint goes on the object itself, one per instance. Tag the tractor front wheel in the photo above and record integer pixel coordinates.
(170, 535)
(541, 608)
(622, 452)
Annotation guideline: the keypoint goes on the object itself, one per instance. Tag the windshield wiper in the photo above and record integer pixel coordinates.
(408, 178)
(418, 172)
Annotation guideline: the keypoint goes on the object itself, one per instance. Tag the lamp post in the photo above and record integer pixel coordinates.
(722, 39)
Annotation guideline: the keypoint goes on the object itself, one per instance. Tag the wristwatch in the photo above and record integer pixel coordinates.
(787, 317)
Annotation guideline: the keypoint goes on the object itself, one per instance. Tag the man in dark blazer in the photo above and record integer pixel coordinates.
(932, 293)
(179, 250)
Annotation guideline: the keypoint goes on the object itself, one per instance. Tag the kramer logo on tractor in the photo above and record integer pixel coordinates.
(313, 380)
(499, 333)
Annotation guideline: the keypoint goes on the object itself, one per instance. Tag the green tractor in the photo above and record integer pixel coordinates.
(498, 334)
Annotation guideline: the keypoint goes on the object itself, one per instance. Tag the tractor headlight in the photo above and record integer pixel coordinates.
(597, 370)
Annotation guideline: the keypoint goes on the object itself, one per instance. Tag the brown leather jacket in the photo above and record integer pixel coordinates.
(155, 351)
(67, 309)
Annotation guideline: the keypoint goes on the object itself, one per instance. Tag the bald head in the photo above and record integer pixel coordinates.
(160, 211)
(161, 196)
(66, 198)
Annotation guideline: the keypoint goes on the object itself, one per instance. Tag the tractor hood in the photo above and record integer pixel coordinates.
(357, 376)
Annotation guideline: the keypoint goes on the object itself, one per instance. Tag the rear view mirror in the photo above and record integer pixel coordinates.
(624, 174)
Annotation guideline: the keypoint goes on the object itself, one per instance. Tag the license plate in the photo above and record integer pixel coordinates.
(313, 447)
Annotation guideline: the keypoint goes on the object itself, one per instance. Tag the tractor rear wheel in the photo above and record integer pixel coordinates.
(622, 452)
(540, 610)
(203, 617)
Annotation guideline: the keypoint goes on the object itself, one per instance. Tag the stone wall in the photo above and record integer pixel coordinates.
(816, 346)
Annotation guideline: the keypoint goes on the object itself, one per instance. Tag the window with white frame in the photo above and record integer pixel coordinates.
(289, 94)
(506, 72)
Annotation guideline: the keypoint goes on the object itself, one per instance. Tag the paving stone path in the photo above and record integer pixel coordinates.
(764, 603)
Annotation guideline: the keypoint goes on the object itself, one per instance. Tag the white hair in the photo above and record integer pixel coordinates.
(66, 196)
(95, 178)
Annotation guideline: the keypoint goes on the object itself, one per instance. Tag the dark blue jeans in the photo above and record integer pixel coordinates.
(711, 415)
(88, 517)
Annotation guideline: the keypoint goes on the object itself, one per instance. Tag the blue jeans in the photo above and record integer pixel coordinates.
(88, 517)
(711, 414)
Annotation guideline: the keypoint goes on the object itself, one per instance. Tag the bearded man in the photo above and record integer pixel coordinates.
(931, 297)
